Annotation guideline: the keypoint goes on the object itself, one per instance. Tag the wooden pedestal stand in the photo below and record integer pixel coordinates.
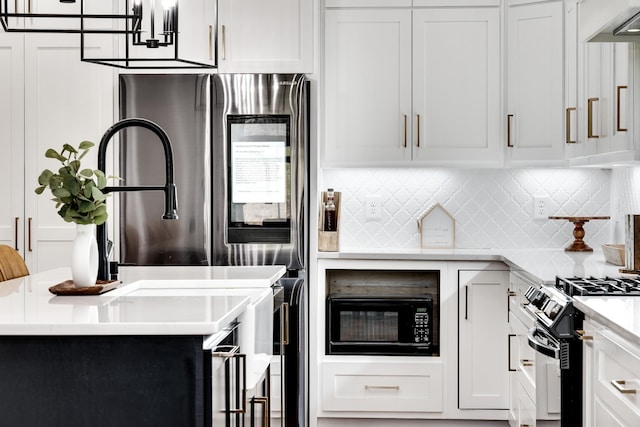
(578, 244)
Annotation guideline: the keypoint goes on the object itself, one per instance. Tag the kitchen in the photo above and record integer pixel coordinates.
(487, 188)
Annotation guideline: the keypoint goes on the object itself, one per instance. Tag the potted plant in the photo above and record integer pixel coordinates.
(78, 195)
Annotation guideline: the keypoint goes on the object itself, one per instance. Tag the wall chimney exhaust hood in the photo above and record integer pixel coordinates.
(610, 20)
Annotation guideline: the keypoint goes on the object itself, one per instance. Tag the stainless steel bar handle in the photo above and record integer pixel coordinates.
(264, 401)
(590, 133)
(224, 43)
(210, 42)
(17, 221)
(509, 117)
(619, 127)
(241, 359)
(405, 131)
(620, 385)
(285, 323)
(567, 121)
(29, 233)
(381, 387)
(418, 139)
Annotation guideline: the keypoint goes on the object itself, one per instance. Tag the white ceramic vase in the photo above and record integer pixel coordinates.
(84, 257)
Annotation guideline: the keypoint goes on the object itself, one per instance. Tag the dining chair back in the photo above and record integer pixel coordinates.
(12, 265)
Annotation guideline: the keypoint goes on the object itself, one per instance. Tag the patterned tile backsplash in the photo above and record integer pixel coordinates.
(492, 208)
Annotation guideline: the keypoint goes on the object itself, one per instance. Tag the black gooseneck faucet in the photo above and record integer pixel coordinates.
(169, 188)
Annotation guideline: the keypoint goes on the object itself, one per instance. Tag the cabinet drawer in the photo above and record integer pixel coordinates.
(382, 387)
(617, 370)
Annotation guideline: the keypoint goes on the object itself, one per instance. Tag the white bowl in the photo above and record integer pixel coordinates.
(614, 253)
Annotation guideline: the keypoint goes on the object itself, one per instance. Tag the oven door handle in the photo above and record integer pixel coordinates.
(547, 348)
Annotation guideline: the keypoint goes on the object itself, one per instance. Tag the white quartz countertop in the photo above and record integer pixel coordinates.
(620, 314)
(148, 301)
(540, 264)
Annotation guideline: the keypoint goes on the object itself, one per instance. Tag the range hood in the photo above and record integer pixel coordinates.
(610, 20)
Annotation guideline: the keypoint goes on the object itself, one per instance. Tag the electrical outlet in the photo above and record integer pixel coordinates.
(540, 207)
(373, 207)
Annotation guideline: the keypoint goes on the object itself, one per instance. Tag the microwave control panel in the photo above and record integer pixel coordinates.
(422, 328)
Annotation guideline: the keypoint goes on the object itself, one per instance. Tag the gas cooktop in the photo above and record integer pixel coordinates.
(626, 286)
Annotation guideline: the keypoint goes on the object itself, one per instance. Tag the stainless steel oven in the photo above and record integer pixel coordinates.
(381, 325)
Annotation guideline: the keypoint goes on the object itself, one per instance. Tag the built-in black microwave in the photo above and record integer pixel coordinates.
(380, 325)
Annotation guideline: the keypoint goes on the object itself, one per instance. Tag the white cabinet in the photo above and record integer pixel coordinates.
(387, 385)
(52, 98)
(535, 112)
(599, 104)
(611, 378)
(483, 340)
(36, 7)
(367, 114)
(434, 96)
(256, 36)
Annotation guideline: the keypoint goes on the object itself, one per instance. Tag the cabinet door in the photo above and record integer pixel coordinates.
(535, 113)
(368, 86)
(483, 340)
(257, 36)
(66, 101)
(456, 85)
(11, 140)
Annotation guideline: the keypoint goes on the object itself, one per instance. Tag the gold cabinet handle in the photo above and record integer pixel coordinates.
(210, 42)
(582, 336)
(509, 117)
(620, 386)
(511, 293)
(526, 362)
(264, 401)
(224, 43)
(619, 127)
(590, 133)
(418, 139)
(381, 387)
(17, 221)
(567, 121)
(405, 131)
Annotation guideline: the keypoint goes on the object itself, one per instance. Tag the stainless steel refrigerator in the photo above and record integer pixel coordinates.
(240, 144)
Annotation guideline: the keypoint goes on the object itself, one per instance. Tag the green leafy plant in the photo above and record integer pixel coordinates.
(76, 191)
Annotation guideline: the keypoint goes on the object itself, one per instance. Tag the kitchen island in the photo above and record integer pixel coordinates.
(128, 357)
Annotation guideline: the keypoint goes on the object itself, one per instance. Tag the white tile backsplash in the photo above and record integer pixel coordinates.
(493, 208)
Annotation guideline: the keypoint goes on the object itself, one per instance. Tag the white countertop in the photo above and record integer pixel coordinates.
(541, 264)
(205, 301)
(620, 314)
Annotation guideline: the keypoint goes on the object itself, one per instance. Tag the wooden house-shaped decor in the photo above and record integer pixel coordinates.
(437, 228)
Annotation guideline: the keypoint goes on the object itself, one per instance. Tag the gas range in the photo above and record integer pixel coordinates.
(552, 305)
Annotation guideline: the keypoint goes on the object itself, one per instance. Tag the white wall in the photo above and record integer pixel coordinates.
(492, 207)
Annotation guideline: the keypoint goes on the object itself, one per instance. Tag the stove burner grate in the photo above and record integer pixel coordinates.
(607, 286)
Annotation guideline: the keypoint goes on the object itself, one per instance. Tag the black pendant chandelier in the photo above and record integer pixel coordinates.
(143, 33)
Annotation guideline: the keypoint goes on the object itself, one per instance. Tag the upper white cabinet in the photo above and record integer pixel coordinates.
(367, 112)
(52, 98)
(256, 36)
(434, 96)
(55, 7)
(535, 111)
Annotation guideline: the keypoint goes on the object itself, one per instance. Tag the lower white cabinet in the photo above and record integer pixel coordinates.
(483, 339)
(390, 384)
(611, 378)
